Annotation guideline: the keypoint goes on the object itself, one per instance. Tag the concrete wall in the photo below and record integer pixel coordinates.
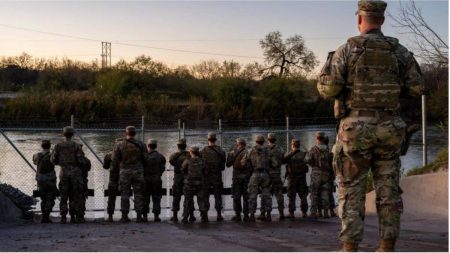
(423, 196)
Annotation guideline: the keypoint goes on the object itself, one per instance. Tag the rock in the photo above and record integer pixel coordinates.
(9, 212)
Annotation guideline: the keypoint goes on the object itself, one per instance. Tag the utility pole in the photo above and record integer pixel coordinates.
(106, 54)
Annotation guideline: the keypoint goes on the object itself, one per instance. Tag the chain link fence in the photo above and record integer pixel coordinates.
(20, 139)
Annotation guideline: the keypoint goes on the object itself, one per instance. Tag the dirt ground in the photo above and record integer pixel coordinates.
(297, 235)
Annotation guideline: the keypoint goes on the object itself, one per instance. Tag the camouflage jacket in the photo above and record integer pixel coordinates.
(259, 159)
(234, 158)
(68, 154)
(319, 158)
(156, 165)
(177, 159)
(129, 154)
(215, 159)
(45, 168)
(277, 153)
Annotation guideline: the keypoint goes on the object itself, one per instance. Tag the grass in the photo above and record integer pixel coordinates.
(440, 161)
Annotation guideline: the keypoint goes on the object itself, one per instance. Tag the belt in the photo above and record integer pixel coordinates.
(373, 113)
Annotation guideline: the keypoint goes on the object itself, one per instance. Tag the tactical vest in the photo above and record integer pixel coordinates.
(297, 165)
(260, 158)
(195, 169)
(132, 155)
(374, 74)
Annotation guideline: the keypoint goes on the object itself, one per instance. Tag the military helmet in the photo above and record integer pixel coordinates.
(371, 8)
(181, 141)
(194, 149)
(211, 135)
(271, 136)
(260, 138)
(67, 130)
(240, 140)
(152, 142)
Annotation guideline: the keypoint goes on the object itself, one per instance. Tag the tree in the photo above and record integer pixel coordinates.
(252, 71)
(430, 46)
(209, 69)
(286, 56)
(230, 69)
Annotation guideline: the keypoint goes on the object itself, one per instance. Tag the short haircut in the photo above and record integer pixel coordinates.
(297, 145)
(68, 135)
(212, 139)
(46, 145)
(197, 153)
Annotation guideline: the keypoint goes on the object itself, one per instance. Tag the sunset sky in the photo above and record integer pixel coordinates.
(230, 28)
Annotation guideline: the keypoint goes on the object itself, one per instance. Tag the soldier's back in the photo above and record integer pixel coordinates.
(69, 153)
(130, 153)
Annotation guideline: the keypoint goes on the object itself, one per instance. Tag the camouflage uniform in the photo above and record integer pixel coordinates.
(46, 181)
(214, 158)
(241, 177)
(370, 71)
(275, 174)
(153, 183)
(195, 184)
(259, 159)
(69, 155)
(113, 183)
(319, 159)
(131, 156)
(296, 174)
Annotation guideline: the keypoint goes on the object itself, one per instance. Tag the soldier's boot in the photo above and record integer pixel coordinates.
(139, 218)
(314, 215)
(325, 214)
(73, 220)
(110, 218)
(304, 214)
(246, 218)
(262, 216)
(282, 217)
(185, 219)
(219, 216)
(291, 215)
(332, 213)
(174, 217)
(268, 217)
(349, 247)
(157, 219)
(80, 219)
(192, 216)
(46, 218)
(63, 219)
(237, 217)
(386, 246)
(204, 216)
(124, 218)
(251, 218)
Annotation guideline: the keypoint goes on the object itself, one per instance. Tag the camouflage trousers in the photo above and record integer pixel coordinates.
(177, 192)
(215, 186)
(113, 191)
(332, 201)
(71, 188)
(153, 188)
(259, 181)
(364, 144)
(47, 192)
(191, 189)
(131, 178)
(239, 193)
(297, 185)
(320, 190)
(277, 189)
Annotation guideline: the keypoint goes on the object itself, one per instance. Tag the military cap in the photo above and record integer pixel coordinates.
(152, 142)
(211, 135)
(320, 134)
(130, 129)
(240, 140)
(259, 138)
(271, 136)
(181, 141)
(67, 130)
(371, 8)
(295, 142)
(194, 149)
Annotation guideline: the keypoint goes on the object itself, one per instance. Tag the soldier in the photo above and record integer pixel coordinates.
(113, 185)
(195, 184)
(85, 168)
(131, 156)
(275, 173)
(319, 159)
(215, 159)
(46, 180)
(176, 160)
(241, 177)
(259, 159)
(368, 75)
(296, 170)
(332, 179)
(69, 155)
(153, 183)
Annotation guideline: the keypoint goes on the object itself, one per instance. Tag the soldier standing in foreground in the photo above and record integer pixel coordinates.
(275, 173)
(319, 159)
(241, 177)
(153, 183)
(46, 180)
(176, 160)
(296, 170)
(368, 75)
(215, 159)
(130, 154)
(70, 157)
(259, 159)
(195, 184)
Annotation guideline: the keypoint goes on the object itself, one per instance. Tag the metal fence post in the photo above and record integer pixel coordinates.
(287, 134)
(220, 132)
(179, 129)
(424, 130)
(142, 129)
(184, 131)
(72, 121)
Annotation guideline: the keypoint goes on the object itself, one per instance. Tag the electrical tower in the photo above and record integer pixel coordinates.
(106, 54)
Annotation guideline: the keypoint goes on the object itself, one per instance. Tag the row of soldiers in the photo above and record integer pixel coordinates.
(137, 169)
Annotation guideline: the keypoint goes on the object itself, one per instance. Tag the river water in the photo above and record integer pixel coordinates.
(15, 171)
